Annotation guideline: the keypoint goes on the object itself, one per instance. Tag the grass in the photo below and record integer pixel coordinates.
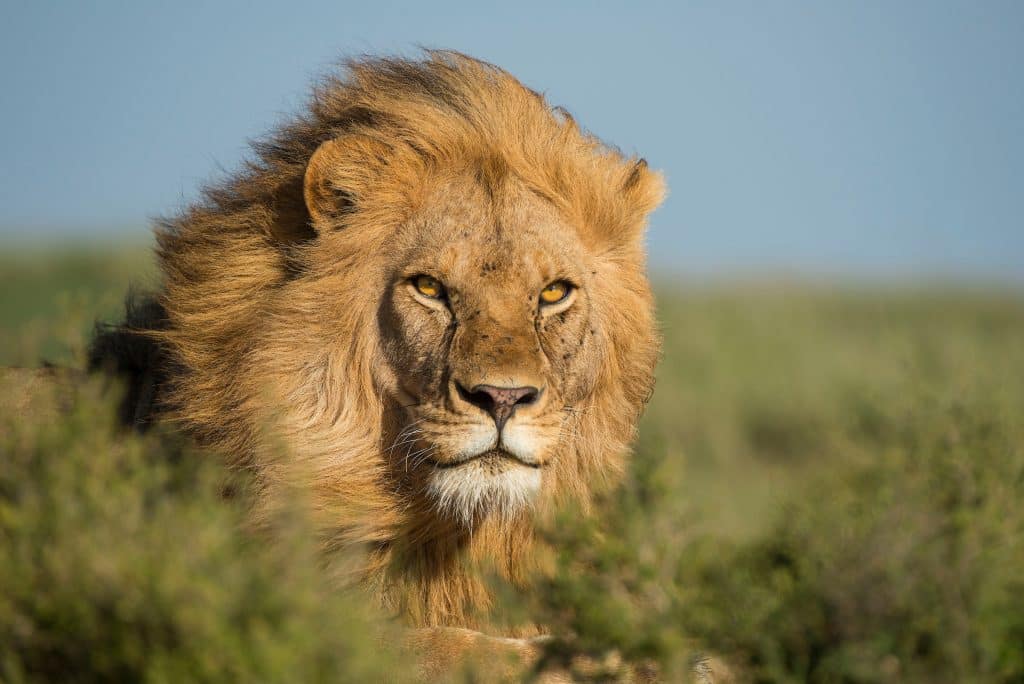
(826, 488)
(51, 296)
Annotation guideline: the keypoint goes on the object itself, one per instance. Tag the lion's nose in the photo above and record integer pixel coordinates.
(499, 402)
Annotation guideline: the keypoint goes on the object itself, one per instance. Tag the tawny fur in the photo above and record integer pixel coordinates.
(273, 289)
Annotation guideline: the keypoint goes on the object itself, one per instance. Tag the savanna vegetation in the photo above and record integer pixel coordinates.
(827, 487)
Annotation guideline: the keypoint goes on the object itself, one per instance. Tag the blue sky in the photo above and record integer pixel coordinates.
(866, 139)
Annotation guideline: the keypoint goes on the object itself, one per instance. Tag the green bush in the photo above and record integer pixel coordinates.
(121, 559)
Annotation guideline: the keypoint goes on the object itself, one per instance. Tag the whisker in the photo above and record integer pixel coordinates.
(405, 439)
(420, 456)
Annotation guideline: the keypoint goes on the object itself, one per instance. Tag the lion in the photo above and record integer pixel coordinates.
(429, 293)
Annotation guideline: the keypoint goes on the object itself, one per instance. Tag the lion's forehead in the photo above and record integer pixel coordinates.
(516, 242)
(503, 264)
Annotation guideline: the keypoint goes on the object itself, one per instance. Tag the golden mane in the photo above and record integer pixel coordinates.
(253, 297)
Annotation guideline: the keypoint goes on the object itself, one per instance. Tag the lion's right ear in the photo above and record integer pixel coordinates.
(326, 200)
(339, 173)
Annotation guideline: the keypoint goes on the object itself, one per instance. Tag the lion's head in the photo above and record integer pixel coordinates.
(488, 340)
(432, 286)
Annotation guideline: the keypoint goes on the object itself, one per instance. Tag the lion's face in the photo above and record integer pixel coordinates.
(490, 343)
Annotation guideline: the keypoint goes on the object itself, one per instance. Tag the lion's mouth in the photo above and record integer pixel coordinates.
(495, 456)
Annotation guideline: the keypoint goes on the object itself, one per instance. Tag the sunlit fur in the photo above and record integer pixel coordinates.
(294, 345)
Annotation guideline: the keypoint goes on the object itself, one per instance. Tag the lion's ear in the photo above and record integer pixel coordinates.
(339, 173)
(619, 219)
(643, 191)
(326, 200)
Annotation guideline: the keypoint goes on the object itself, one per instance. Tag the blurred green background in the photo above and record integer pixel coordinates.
(826, 487)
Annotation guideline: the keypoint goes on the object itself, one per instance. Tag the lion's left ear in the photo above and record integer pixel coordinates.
(643, 190)
(339, 174)
(618, 218)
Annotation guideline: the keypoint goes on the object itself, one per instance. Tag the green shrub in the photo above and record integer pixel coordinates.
(121, 560)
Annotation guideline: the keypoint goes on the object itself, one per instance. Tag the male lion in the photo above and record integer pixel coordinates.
(428, 291)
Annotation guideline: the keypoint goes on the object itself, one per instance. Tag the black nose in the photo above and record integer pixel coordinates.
(499, 402)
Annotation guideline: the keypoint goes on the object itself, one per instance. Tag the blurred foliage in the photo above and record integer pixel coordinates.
(121, 560)
(50, 297)
(826, 488)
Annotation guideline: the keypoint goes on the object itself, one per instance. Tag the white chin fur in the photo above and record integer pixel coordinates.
(466, 491)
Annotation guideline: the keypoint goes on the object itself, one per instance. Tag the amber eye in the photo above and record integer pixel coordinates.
(555, 292)
(428, 287)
